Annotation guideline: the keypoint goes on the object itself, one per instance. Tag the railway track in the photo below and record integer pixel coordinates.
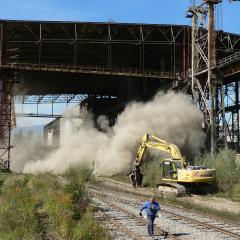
(127, 222)
(215, 227)
(237, 224)
(119, 229)
(225, 226)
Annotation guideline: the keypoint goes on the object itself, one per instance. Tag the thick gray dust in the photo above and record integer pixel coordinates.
(26, 148)
(169, 116)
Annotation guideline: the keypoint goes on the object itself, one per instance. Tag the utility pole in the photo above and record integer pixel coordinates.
(194, 53)
(212, 81)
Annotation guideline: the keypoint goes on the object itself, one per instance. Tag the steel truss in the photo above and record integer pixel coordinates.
(49, 99)
(98, 104)
(37, 100)
(230, 95)
(211, 67)
(7, 121)
(204, 58)
(39, 36)
(7, 113)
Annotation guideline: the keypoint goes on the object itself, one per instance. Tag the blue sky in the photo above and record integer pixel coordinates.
(140, 11)
(135, 11)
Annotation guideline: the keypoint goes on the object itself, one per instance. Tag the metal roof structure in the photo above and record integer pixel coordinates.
(43, 61)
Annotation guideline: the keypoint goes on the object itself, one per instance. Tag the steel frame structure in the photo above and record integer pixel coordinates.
(231, 92)
(49, 99)
(74, 36)
(133, 51)
(7, 121)
(7, 113)
(210, 76)
(69, 45)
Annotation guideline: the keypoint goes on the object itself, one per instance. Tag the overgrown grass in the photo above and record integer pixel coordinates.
(3, 177)
(18, 218)
(227, 172)
(70, 211)
(151, 173)
(88, 229)
(120, 178)
(64, 199)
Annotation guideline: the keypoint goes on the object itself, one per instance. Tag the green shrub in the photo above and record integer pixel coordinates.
(43, 185)
(64, 201)
(59, 207)
(18, 218)
(87, 222)
(236, 191)
(79, 197)
(68, 208)
(3, 177)
(227, 171)
(76, 187)
(152, 172)
(81, 173)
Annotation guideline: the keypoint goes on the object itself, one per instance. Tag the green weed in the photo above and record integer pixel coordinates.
(227, 171)
(64, 199)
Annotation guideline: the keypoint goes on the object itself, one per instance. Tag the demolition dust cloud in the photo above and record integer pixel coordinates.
(169, 116)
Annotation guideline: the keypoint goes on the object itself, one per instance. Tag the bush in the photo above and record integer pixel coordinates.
(3, 177)
(152, 171)
(79, 197)
(227, 171)
(72, 217)
(81, 174)
(59, 207)
(18, 218)
(87, 222)
(64, 201)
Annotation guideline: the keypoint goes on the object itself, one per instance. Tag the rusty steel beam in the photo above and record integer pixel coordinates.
(212, 81)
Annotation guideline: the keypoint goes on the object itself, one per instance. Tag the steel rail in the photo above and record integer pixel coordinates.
(204, 215)
(120, 227)
(237, 224)
(158, 230)
(204, 224)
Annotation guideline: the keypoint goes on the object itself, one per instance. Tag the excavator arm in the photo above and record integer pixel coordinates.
(156, 143)
(152, 142)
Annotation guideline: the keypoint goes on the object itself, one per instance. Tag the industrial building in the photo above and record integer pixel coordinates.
(114, 63)
(57, 131)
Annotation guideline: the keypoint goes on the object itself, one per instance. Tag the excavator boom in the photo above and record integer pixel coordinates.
(154, 142)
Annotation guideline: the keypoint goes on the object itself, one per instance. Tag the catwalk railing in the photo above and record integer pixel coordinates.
(228, 60)
(118, 71)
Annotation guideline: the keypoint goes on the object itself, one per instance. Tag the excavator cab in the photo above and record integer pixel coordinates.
(170, 168)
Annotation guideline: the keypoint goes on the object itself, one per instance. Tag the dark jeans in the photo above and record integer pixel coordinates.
(150, 225)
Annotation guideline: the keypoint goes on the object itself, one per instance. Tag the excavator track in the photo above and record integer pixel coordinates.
(171, 189)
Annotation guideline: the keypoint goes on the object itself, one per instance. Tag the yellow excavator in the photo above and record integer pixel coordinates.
(176, 176)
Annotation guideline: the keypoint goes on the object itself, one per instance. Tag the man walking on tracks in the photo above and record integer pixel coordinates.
(151, 207)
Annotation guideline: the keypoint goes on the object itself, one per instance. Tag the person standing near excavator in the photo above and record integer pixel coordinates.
(135, 175)
(151, 207)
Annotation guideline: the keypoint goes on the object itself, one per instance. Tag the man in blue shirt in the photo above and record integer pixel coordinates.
(151, 207)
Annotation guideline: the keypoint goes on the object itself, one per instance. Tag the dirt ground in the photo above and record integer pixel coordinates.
(218, 203)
